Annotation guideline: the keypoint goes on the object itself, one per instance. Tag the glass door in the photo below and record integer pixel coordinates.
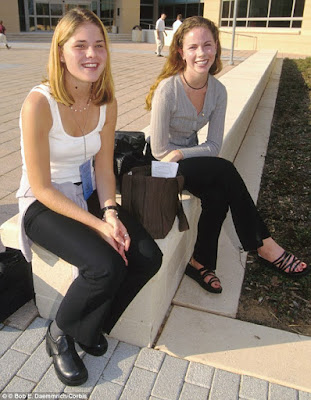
(48, 12)
(56, 12)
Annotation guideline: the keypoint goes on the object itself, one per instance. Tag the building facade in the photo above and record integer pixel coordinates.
(284, 25)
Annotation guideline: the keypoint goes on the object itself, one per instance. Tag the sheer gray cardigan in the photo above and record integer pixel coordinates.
(175, 122)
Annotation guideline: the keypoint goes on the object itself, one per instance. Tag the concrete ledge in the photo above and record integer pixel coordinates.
(141, 321)
(231, 261)
(240, 347)
(245, 85)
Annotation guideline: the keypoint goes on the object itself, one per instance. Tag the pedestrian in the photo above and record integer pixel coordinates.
(67, 193)
(3, 38)
(160, 32)
(186, 97)
(177, 23)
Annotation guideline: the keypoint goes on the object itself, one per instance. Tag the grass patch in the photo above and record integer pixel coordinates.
(285, 204)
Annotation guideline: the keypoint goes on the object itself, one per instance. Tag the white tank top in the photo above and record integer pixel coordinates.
(67, 152)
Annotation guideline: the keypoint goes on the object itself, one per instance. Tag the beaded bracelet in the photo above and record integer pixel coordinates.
(103, 210)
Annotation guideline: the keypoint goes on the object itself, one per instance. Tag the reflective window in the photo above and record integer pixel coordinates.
(32, 26)
(225, 9)
(187, 8)
(45, 14)
(107, 13)
(42, 9)
(56, 9)
(263, 13)
(258, 8)
(242, 9)
(296, 24)
(281, 8)
(54, 22)
(299, 6)
(43, 24)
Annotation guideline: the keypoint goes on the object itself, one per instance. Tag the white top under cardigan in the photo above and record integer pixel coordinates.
(67, 153)
(175, 121)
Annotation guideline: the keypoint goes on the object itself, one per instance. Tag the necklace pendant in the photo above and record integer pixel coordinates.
(81, 109)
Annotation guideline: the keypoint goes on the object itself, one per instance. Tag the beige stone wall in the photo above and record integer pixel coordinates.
(306, 23)
(281, 40)
(9, 15)
(285, 41)
(129, 15)
(212, 10)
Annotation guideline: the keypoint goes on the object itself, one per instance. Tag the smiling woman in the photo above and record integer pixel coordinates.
(67, 196)
(185, 98)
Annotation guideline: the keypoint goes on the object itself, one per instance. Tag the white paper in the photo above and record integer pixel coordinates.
(161, 169)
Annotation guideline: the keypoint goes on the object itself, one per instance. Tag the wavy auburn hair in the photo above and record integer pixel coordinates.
(175, 63)
(103, 88)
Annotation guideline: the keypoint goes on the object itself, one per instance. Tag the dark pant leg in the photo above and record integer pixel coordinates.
(144, 261)
(219, 186)
(87, 304)
(97, 298)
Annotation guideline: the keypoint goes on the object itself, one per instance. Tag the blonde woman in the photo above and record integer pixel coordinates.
(185, 98)
(67, 193)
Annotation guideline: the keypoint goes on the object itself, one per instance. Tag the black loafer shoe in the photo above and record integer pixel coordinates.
(98, 350)
(69, 367)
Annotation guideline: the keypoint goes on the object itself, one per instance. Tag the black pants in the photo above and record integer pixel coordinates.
(105, 285)
(219, 186)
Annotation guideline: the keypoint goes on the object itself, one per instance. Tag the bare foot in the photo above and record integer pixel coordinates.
(215, 284)
(271, 251)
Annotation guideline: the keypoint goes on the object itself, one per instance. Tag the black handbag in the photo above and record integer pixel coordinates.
(128, 152)
(16, 284)
(154, 201)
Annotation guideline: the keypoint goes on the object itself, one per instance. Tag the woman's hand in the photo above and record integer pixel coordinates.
(119, 233)
(173, 156)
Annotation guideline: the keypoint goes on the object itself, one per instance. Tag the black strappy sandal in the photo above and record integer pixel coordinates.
(199, 278)
(283, 262)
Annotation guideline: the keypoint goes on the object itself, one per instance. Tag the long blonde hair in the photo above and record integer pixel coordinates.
(175, 63)
(103, 88)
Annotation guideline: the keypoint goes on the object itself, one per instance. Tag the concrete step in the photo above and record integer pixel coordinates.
(46, 37)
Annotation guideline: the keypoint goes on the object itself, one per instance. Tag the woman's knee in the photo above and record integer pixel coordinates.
(150, 255)
(104, 267)
(228, 167)
(156, 260)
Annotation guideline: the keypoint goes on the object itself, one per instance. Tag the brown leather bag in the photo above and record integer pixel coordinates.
(154, 201)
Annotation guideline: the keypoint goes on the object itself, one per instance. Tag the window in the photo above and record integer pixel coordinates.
(146, 14)
(107, 13)
(264, 13)
(187, 8)
(281, 8)
(258, 8)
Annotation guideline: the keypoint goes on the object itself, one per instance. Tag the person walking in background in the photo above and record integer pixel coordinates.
(160, 32)
(186, 97)
(177, 23)
(3, 38)
(67, 194)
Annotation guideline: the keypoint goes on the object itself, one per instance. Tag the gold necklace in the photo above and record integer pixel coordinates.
(192, 86)
(82, 130)
(83, 108)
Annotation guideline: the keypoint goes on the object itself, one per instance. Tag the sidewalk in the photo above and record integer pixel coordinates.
(125, 371)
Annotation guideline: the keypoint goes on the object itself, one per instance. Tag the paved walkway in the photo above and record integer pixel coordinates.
(125, 371)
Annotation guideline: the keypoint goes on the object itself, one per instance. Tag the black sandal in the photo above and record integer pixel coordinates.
(283, 262)
(199, 278)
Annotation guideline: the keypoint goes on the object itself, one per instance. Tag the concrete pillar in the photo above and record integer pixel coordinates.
(127, 15)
